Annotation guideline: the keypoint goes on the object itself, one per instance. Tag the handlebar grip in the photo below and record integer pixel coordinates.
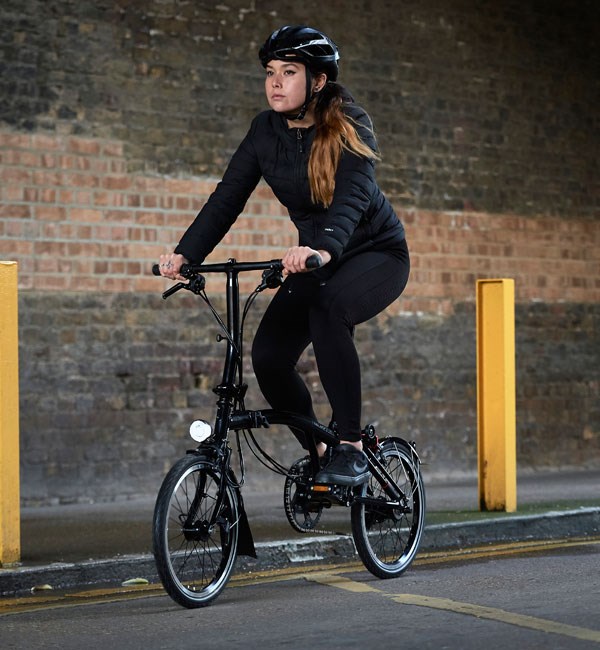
(187, 270)
(314, 261)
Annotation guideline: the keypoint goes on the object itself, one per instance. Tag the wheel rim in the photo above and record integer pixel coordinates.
(393, 537)
(199, 557)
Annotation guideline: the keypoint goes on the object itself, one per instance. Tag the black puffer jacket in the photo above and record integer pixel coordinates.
(359, 217)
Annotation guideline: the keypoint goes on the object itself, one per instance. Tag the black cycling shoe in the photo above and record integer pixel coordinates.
(348, 467)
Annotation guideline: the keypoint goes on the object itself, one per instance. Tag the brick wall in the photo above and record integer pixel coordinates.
(111, 381)
(483, 106)
(75, 219)
(111, 374)
(115, 123)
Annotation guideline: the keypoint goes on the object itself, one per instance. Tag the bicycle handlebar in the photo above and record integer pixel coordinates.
(192, 270)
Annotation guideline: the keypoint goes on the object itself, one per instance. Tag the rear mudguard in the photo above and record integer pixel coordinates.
(408, 443)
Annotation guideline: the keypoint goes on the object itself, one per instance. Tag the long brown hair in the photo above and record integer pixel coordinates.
(335, 131)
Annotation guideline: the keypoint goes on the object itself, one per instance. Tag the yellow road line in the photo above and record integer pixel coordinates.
(500, 615)
(58, 599)
(478, 611)
(424, 558)
(335, 580)
(457, 607)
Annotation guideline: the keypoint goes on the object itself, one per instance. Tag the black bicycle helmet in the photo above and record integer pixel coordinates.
(305, 44)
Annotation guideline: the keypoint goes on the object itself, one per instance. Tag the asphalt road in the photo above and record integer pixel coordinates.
(531, 595)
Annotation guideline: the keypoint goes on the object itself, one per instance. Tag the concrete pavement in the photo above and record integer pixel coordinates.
(73, 546)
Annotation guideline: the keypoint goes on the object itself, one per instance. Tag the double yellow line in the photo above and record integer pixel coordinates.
(333, 577)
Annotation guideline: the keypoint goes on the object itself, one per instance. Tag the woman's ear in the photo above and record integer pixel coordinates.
(320, 81)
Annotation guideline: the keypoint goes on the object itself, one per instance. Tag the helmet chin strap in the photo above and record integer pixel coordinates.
(310, 95)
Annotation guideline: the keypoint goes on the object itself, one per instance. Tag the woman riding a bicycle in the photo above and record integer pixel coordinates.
(316, 149)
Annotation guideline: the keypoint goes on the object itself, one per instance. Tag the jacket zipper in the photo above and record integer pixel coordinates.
(299, 152)
(300, 142)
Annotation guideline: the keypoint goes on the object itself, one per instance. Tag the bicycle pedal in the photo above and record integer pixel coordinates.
(322, 488)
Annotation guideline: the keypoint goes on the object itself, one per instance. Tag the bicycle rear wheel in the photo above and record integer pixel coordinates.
(194, 538)
(387, 538)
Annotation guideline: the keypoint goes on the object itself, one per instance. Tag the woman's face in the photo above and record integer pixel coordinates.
(285, 85)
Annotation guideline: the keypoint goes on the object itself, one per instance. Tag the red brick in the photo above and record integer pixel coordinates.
(84, 146)
(150, 201)
(149, 184)
(49, 282)
(15, 140)
(89, 250)
(117, 182)
(86, 215)
(13, 211)
(49, 248)
(45, 142)
(112, 149)
(81, 180)
(10, 175)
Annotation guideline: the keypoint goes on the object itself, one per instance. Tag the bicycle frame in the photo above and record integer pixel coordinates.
(229, 391)
(200, 523)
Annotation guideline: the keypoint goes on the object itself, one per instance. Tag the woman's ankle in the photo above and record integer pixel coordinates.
(357, 444)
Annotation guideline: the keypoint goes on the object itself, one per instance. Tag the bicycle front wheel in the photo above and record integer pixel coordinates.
(387, 538)
(195, 532)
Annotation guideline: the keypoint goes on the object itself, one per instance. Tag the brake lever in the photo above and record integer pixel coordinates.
(174, 289)
(271, 279)
(196, 285)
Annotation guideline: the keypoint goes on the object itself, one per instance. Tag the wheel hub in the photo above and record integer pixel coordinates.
(199, 531)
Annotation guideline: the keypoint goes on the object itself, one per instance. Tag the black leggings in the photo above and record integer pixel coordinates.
(308, 310)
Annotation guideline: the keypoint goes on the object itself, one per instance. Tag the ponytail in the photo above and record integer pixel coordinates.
(335, 131)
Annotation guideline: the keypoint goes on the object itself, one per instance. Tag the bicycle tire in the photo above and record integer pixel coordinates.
(387, 540)
(194, 562)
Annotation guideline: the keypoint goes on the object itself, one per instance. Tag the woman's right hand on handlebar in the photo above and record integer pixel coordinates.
(169, 265)
(294, 260)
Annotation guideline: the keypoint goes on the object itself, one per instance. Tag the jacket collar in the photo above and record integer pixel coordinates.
(289, 135)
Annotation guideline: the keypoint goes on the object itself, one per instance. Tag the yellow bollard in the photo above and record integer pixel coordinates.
(496, 408)
(10, 515)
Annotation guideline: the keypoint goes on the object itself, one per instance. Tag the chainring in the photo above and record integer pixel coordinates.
(302, 514)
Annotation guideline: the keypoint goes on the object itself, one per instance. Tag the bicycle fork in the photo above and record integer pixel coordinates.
(397, 498)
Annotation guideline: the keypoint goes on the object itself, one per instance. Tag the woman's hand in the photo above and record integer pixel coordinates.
(294, 260)
(170, 266)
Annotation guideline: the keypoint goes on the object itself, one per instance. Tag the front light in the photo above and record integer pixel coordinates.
(200, 430)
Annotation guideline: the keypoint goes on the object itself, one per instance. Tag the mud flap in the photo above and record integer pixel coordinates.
(245, 540)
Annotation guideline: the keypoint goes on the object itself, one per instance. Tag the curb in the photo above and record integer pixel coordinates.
(583, 522)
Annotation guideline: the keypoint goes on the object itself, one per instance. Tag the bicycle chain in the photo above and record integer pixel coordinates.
(292, 476)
